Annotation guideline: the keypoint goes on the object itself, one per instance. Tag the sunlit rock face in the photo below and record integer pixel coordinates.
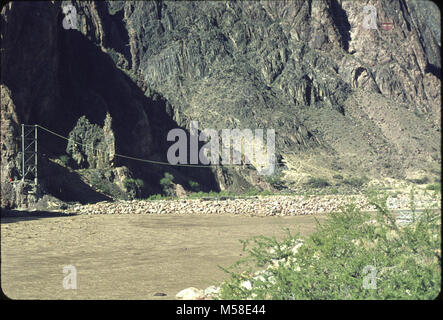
(309, 69)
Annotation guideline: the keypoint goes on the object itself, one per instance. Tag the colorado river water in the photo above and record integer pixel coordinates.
(127, 256)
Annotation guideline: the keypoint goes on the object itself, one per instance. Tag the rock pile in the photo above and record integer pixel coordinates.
(262, 206)
(257, 206)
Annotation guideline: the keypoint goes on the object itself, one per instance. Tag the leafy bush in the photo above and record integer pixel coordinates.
(133, 183)
(317, 182)
(157, 197)
(139, 183)
(225, 194)
(276, 179)
(356, 182)
(167, 179)
(194, 185)
(334, 191)
(252, 192)
(434, 187)
(64, 159)
(133, 186)
(422, 180)
(266, 193)
(337, 177)
(353, 255)
(256, 192)
(211, 194)
(98, 181)
(167, 184)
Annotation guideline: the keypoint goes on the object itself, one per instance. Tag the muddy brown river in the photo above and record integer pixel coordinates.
(127, 256)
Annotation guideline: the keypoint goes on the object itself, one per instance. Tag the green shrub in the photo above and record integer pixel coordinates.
(133, 186)
(266, 193)
(194, 185)
(139, 183)
(434, 187)
(338, 260)
(197, 195)
(64, 159)
(252, 192)
(422, 180)
(130, 183)
(167, 184)
(157, 197)
(97, 180)
(227, 194)
(333, 191)
(356, 182)
(167, 179)
(317, 182)
(337, 177)
(103, 187)
(276, 179)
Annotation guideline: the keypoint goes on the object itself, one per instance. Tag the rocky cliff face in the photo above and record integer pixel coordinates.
(340, 97)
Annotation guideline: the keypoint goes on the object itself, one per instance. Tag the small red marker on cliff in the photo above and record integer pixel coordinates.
(387, 25)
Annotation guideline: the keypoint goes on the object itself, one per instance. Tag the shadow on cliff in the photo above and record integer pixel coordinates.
(433, 69)
(341, 20)
(79, 79)
(92, 73)
(96, 71)
(67, 185)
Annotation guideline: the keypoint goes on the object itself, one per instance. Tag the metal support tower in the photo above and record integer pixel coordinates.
(29, 154)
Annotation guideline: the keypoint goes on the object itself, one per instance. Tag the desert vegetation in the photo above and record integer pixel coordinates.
(353, 255)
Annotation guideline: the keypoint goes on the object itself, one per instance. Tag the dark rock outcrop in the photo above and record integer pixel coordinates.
(91, 146)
